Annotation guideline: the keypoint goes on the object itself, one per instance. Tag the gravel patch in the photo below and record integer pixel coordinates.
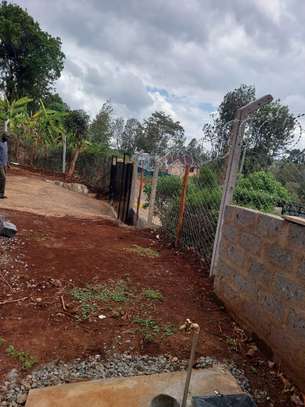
(13, 392)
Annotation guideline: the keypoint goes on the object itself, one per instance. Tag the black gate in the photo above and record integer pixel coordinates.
(120, 187)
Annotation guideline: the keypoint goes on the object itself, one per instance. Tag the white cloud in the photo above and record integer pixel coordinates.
(196, 51)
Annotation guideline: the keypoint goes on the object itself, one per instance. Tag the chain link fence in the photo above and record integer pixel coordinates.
(271, 180)
(202, 199)
(92, 168)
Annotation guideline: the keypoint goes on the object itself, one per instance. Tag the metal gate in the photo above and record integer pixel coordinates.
(120, 186)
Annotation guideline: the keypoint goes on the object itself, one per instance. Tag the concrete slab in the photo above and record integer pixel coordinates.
(137, 391)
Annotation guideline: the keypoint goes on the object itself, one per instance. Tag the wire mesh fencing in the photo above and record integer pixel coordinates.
(269, 176)
(92, 168)
(187, 204)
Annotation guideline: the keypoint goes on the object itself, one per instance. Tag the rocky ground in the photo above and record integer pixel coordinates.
(15, 388)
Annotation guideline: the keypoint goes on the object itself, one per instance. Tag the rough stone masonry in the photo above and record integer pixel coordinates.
(260, 277)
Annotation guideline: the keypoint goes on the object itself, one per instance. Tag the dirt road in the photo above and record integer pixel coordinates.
(33, 193)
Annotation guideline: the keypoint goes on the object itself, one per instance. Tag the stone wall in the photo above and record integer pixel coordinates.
(260, 277)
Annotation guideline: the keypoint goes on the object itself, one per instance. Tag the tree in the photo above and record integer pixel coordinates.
(77, 125)
(117, 128)
(131, 134)
(54, 102)
(218, 132)
(267, 133)
(100, 129)
(161, 134)
(30, 59)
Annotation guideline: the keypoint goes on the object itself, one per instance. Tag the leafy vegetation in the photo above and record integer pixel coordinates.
(266, 136)
(151, 294)
(260, 190)
(152, 330)
(117, 292)
(31, 60)
(90, 297)
(24, 358)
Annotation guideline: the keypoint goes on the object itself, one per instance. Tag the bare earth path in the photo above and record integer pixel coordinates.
(28, 192)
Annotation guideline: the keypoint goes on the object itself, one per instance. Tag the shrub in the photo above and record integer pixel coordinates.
(260, 190)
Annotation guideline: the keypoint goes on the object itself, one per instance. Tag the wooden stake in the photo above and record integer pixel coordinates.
(63, 303)
(140, 191)
(182, 204)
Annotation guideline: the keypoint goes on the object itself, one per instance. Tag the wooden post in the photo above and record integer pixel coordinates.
(182, 205)
(153, 192)
(140, 191)
(232, 169)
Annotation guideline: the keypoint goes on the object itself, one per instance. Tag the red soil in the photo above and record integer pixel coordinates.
(50, 256)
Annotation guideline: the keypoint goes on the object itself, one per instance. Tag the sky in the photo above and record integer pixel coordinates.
(179, 56)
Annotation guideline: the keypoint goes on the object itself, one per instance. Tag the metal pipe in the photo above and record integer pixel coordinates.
(194, 328)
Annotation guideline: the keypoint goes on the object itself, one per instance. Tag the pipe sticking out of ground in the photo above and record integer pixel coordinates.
(194, 329)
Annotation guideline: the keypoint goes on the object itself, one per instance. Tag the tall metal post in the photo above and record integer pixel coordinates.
(64, 154)
(232, 169)
(153, 193)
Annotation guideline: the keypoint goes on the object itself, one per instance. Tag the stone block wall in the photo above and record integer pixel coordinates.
(260, 277)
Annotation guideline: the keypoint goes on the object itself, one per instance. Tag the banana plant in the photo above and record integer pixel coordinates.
(14, 113)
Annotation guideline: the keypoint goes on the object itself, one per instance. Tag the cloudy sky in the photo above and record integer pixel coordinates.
(180, 56)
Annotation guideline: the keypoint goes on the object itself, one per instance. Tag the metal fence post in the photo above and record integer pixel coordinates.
(232, 169)
(153, 193)
(64, 154)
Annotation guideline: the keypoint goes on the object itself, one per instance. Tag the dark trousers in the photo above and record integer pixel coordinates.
(2, 181)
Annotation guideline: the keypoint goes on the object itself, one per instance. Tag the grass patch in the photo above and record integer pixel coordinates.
(90, 296)
(24, 358)
(117, 292)
(143, 251)
(154, 295)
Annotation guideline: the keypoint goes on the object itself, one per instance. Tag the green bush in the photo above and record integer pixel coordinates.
(260, 190)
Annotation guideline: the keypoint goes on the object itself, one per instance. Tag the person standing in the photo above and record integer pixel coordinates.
(3, 164)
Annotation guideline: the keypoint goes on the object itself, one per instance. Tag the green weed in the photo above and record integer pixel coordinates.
(169, 330)
(151, 294)
(24, 358)
(2, 340)
(150, 329)
(117, 292)
(143, 251)
(86, 310)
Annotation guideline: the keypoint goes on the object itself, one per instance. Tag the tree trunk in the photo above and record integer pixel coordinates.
(73, 162)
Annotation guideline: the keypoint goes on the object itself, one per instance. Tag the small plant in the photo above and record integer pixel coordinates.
(25, 359)
(149, 328)
(2, 340)
(86, 310)
(169, 330)
(154, 295)
(143, 251)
